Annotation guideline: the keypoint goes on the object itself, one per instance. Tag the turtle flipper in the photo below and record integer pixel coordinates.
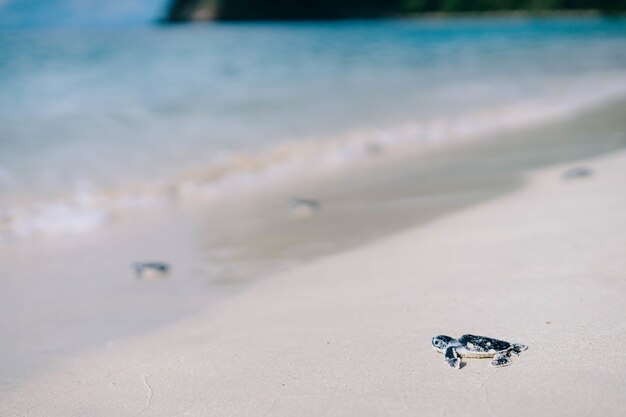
(452, 358)
(518, 348)
(500, 360)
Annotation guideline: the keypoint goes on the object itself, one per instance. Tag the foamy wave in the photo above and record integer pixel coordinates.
(55, 218)
(89, 208)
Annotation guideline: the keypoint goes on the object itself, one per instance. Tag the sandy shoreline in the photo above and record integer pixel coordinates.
(67, 295)
(350, 334)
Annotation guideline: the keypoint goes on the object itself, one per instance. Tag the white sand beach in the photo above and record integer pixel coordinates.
(349, 335)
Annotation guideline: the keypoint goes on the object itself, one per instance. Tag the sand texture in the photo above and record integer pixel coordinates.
(349, 335)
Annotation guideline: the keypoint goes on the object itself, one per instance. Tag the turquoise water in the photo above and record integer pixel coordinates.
(77, 13)
(94, 120)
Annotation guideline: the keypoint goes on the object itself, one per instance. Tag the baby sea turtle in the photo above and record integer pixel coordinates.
(149, 270)
(470, 346)
(304, 207)
(577, 173)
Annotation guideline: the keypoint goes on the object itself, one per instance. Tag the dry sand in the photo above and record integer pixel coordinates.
(349, 335)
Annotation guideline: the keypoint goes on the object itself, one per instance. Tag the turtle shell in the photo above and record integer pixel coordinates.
(483, 346)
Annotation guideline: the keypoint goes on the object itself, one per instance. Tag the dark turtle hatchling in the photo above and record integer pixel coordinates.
(470, 346)
(150, 270)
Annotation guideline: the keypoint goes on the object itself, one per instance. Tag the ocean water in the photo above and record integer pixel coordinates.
(99, 121)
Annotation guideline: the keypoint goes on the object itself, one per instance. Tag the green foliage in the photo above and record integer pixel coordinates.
(486, 5)
(181, 10)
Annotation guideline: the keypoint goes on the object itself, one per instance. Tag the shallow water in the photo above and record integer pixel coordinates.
(95, 122)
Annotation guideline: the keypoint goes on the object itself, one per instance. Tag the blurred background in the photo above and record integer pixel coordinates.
(106, 106)
(181, 10)
(265, 134)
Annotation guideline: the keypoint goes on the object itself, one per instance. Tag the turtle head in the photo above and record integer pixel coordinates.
(441, 342)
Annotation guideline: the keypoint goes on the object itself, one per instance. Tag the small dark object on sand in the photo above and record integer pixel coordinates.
(304, 206)
(577, 172)
(470, 346)
(148, 270)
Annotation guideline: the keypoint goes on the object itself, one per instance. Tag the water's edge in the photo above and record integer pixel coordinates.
(71, 294)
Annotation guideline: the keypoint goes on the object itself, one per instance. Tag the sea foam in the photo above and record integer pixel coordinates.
(88, 208)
